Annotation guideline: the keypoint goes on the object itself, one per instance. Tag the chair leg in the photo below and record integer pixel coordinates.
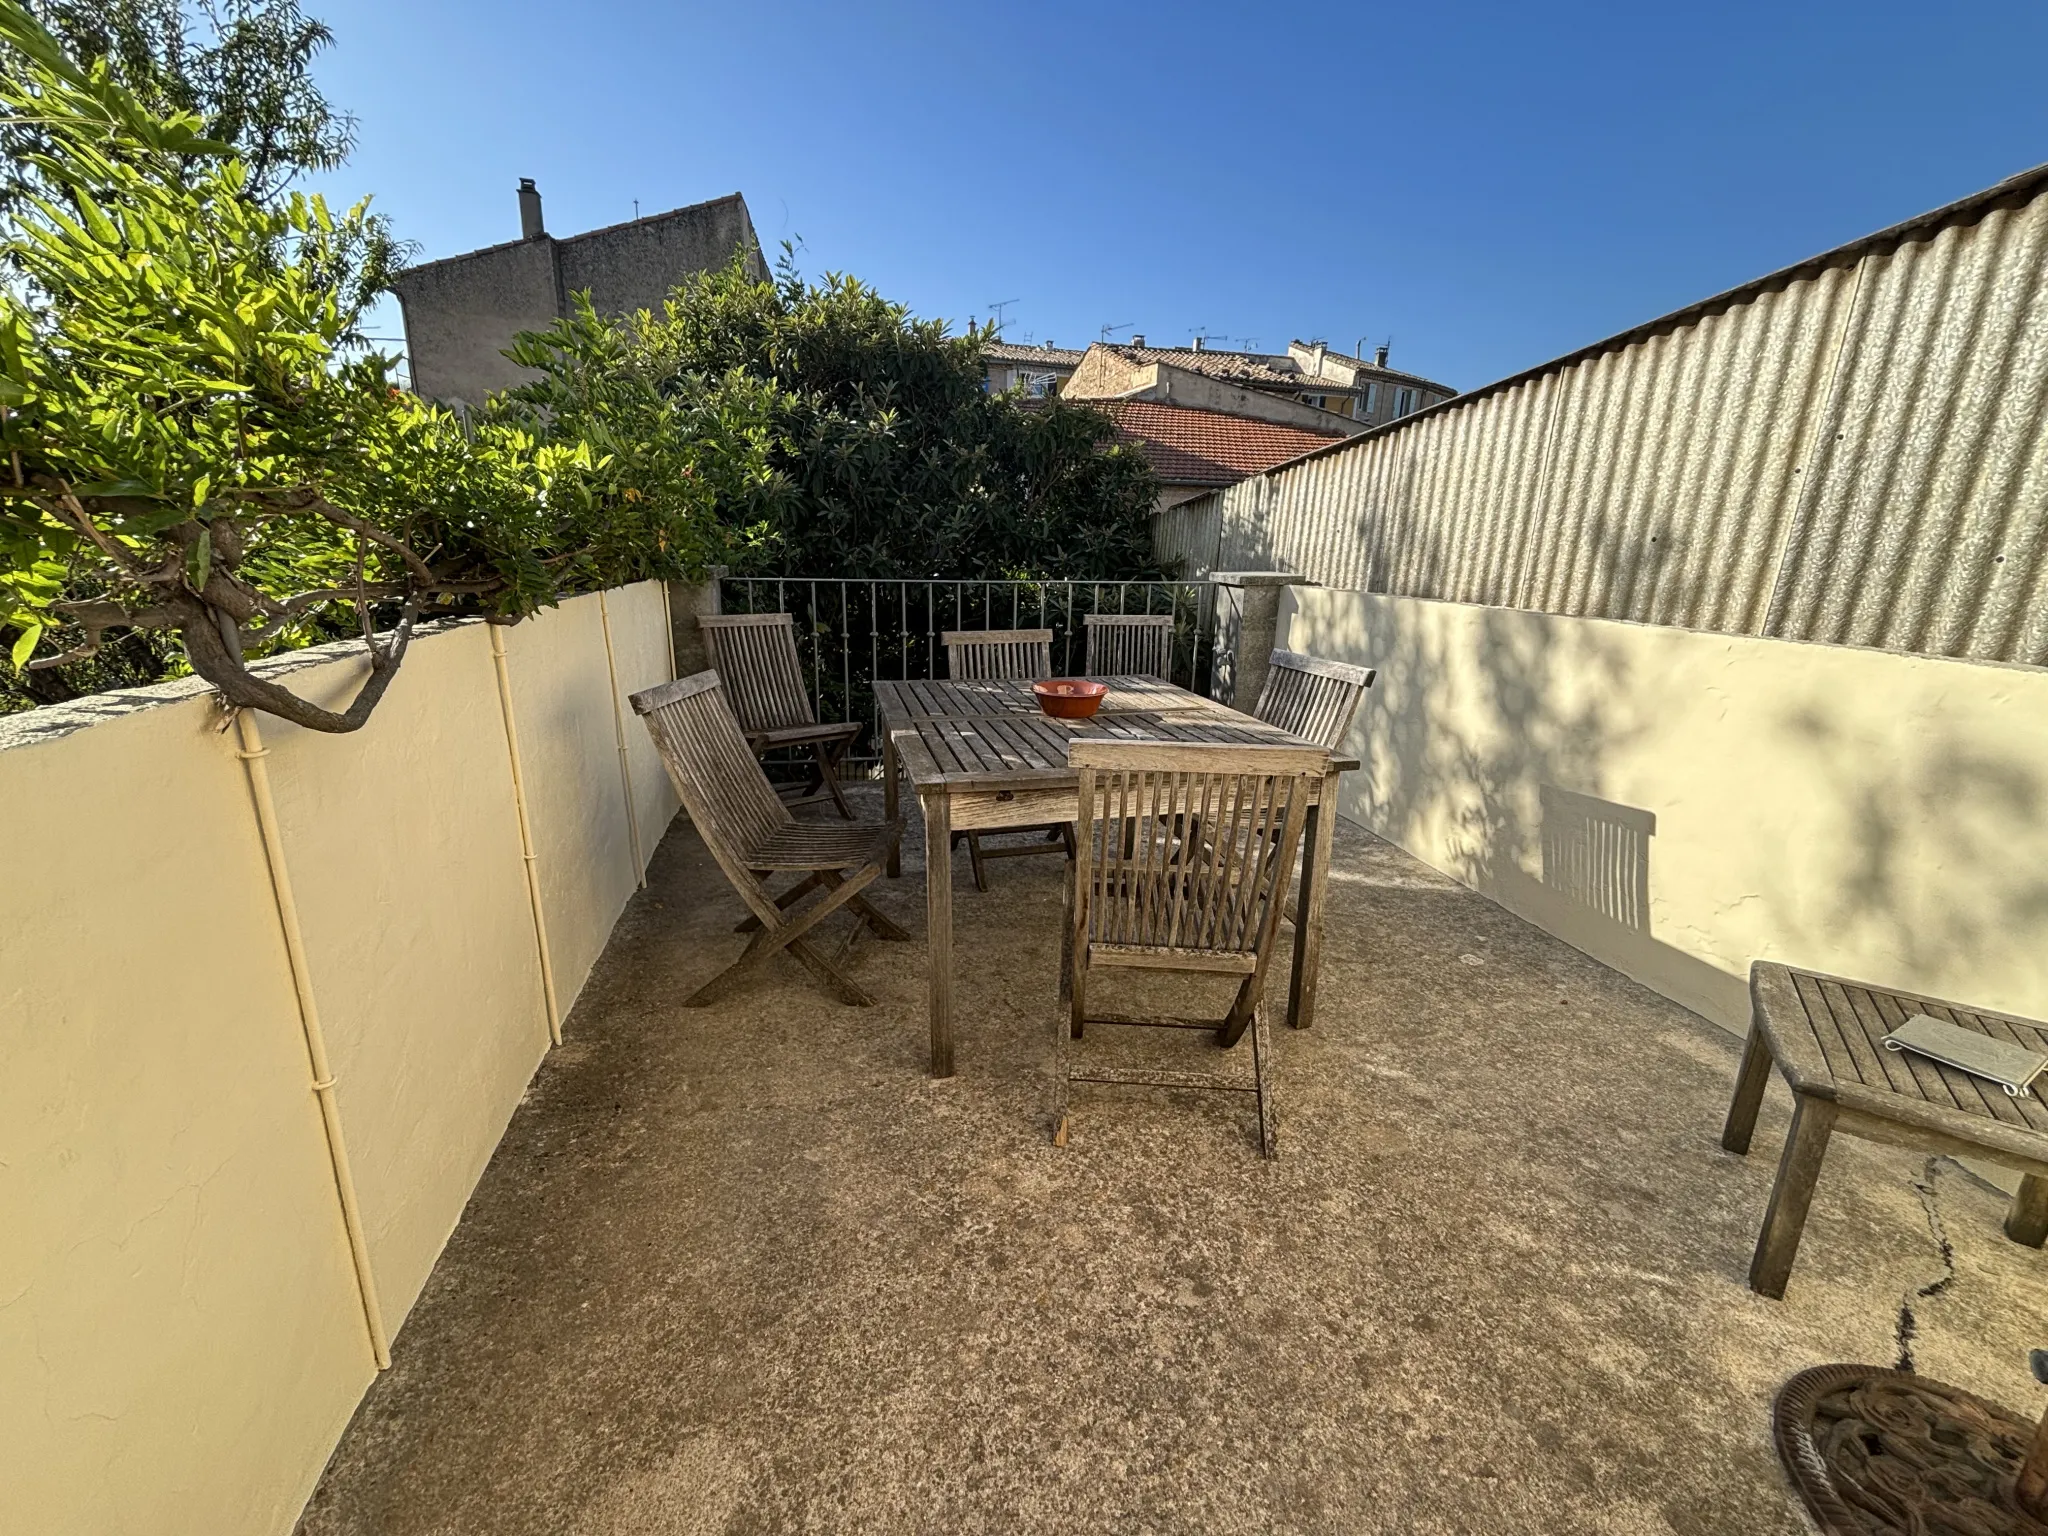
(884, 927)
(974, 858)
(1066, 939)
(829, 754)
(789, 936)
(1061, 1083)
(1751, 1078)
(2026, 1222)
(1269, 1125)
(834, 980)
(1077, 994)
(785, 901)
(1798, 1171)
(1244, 1010)
(758, 949)
(855, 932)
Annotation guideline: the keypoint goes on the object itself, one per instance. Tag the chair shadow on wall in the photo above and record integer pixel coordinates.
(1597, 854)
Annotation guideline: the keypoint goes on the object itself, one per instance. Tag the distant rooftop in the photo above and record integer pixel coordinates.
(1008, 352)
(1252, 370)
(692, 214)
(1270, 370)
(1193, 447)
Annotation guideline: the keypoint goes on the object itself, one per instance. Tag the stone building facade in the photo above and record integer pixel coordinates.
(462, 312)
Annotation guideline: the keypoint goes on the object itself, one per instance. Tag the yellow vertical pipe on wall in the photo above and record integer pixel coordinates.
(252, 754)
(526, 853)
(668, 628)
(611, 664)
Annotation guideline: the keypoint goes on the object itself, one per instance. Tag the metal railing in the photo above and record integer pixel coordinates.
(851, 633)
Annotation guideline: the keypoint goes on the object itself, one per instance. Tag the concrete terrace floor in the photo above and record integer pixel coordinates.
(748, 1269)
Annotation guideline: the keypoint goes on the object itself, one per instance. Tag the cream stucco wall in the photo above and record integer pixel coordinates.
(1864, 812)
(181, 1337)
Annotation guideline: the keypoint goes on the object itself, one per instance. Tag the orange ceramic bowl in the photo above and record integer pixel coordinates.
(1069, 698)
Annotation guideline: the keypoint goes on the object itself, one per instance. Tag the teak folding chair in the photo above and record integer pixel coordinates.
(1147, 892)
(1130, 645)
(755, 653)
(981, 654)
(1311, 698)
(752, 835)
(974, 654)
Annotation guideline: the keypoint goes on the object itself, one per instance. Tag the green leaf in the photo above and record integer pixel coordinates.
(26, 645)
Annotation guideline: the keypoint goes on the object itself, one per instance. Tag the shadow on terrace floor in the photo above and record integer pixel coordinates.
(747, 1269)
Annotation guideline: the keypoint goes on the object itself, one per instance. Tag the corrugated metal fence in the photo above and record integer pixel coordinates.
(1854, 450)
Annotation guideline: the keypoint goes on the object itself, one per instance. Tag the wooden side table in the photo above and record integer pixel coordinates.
(1826, 1035)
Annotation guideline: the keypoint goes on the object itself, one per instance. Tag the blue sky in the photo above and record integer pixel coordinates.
(1486, 186)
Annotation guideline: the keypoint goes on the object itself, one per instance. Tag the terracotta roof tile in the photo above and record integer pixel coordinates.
(1191, 447)
(1006, 352)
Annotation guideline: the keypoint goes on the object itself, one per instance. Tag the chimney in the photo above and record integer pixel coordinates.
(1317, 351)
(1201, 343)
(1379, 357)
(530, 226)
(1137, 338)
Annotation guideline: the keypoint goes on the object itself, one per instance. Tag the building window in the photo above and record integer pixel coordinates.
(1368, 402)
(1404, 401)
(1314, 400)
(1038, 385)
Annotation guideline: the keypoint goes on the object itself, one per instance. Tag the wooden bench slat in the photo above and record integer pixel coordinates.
(1827, 1033)
(1895, 1071)
(1871, 1066)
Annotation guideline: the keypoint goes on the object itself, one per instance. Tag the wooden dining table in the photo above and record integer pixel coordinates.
(983, 757)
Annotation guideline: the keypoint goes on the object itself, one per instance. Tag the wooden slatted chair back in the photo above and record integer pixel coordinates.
(1185, 850)
(755, 655)
(714, 771)
(1130, 645)
(1311, 698)
(975, 654)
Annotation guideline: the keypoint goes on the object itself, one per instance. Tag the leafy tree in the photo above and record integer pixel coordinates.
(890, 458)
(183, 432)
(244, 69)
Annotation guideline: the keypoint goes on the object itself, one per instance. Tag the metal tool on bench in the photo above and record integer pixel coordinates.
(2012, 1067)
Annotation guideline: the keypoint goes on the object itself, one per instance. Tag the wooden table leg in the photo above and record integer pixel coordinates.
(2026, 1221)
(1308, 921)
(889, 798)
(1798, 1171)
(938, 916)
(1751, 1078)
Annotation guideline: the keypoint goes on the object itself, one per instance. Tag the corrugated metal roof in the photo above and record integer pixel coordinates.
(1852, 450)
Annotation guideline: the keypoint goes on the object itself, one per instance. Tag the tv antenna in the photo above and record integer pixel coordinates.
(1110, 330)
(997, 307)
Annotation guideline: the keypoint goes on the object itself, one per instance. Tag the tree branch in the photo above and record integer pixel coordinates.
(213, 659)
(422, 573)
